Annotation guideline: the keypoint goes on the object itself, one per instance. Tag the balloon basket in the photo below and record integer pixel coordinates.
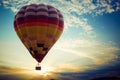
(38, 67)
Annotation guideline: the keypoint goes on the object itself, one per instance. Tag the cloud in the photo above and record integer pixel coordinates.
(13, 9)
(97, 7)
(106, 72)
(110, 73)
(30, 75)
(12, 73)
(98, 52)
(67, 68)
(8, 73)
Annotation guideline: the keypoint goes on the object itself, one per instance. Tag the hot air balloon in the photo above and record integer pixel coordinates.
(38, 26)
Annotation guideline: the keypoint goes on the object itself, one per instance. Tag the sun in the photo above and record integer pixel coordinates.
(44, 71)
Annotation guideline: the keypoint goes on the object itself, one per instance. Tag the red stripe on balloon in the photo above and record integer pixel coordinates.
(35, 24)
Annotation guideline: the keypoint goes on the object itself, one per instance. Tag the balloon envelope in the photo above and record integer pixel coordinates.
(38, 26)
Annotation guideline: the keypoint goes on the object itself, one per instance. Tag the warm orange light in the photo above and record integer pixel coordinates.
(44, 71)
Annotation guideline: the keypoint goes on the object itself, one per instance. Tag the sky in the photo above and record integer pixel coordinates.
(88, 48)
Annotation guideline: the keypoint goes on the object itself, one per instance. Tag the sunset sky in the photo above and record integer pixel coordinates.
(88, 48)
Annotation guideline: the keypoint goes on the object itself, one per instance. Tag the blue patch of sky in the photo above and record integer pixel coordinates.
(76, 29)
(106, 26)
(68, 0)
(0, 2)
(74, 14)
(72, 33)
(113, 3)
(6, 22)
(94, 2)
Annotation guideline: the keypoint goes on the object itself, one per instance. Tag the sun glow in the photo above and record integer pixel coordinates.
(44, 71)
